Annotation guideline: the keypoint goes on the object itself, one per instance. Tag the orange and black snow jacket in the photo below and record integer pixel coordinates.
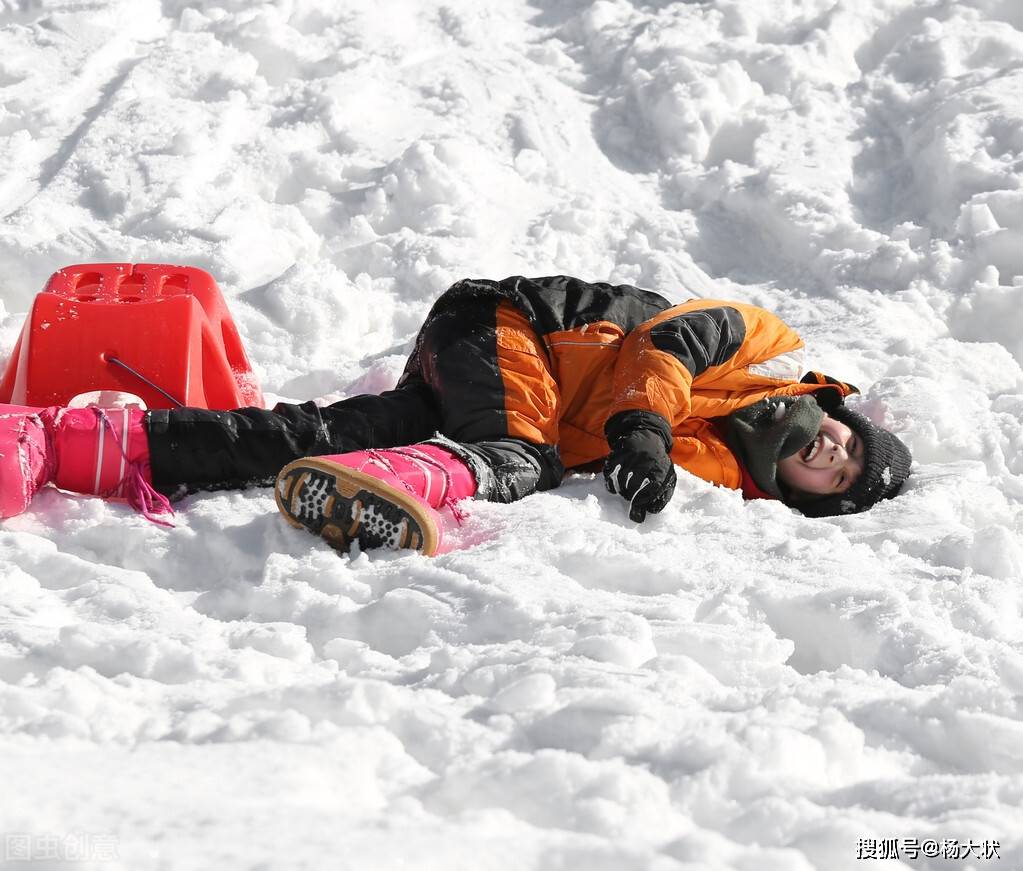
(615, 348)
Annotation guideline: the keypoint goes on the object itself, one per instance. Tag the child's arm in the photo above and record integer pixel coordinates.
(657, 365)
(700, 339)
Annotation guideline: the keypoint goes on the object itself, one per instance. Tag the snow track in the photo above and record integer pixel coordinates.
(727, 686)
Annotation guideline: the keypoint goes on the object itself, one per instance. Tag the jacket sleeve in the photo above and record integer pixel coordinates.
(661, 358)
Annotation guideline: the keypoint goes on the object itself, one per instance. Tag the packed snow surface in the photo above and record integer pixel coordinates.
(726, 686)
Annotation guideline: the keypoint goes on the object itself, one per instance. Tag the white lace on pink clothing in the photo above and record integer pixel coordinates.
(424, 462)
(133, 484)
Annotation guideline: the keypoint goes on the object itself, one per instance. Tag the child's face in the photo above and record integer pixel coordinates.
(831, 463)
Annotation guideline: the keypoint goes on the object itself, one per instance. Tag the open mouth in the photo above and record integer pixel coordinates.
(812, 449)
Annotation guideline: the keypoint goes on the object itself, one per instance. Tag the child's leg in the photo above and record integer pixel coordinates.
(381, 498)
(204, 449)
(499, 402)
(499, 410)
(25, 457)
(97, 451)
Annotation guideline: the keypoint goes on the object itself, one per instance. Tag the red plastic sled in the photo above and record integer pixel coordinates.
(160, 332)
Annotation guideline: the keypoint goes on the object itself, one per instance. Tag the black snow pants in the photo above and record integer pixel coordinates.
(452, 393)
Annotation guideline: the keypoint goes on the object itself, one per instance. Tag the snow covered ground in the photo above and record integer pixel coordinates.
(727, 686)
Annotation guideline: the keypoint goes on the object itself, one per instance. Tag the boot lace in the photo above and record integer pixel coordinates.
(134, 487)
(424, 461)
(47, 453)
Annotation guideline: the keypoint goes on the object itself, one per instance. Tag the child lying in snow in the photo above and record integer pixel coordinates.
(510, 383)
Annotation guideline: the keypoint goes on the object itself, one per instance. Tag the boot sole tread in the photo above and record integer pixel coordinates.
(342, 505)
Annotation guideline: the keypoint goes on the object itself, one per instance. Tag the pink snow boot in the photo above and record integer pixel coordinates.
(380, 498)
(24, 457)
(102, 452)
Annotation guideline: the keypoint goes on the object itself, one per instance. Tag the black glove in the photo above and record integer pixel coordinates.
(639, 467)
